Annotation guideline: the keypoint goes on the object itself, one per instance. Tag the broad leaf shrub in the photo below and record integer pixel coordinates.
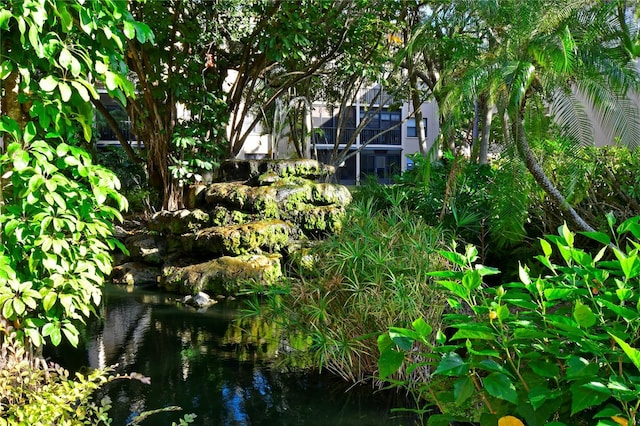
(56, 237)
(559, 348)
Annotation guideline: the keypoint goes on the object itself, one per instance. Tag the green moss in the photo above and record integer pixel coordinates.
(178, 222)
(319, 220)
(269, 236)
(224, 275)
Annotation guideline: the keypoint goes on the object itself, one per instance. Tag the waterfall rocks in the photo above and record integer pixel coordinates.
(258, 215)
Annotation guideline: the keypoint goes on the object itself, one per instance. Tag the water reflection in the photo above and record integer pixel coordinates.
(211, 366)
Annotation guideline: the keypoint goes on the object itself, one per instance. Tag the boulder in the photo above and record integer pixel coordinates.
(135, 273)
(251, 170)
(318, 220)
(179, 221)
(269, 236)
(146, 247)
(200, 300)
(238, 196)
(222, 276)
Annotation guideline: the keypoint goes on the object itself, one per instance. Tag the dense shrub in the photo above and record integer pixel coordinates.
(370, 276)
(558, 347)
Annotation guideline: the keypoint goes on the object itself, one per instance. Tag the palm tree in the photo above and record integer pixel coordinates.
(572, 55)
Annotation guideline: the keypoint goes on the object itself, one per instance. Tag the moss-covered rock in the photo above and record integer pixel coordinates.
(270, 236)
(318, 220)
(261, 210)
(233, 170)
(194, 196)
(222, 276)
(239, 196)
(146, 247)
(325, 194)
(223, 216)
(179, 222)
(135, 273)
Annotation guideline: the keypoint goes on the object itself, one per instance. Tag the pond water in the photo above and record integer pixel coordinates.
(207, 363)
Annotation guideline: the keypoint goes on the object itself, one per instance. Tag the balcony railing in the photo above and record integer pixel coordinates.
(328, 136)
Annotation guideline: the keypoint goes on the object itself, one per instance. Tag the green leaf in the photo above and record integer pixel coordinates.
(71, 333)
(65, 91)
(49, 300)
(546, 247)
(475, 332)
(29, 132)
(491, 365)
(600, 237)
(455, 288)
(82, 91)
(583, 315)
(544, 368)
(20, 160)
(65, 17)
(452, 365)
(5, 68)
(111, 80)
(626, 313)
(463, 389)
(67, 302)
(566, 234)
(632, 353)
(55, 336)
(129, 30)
(7, 309)
(422, 328)
(101, 67)
(5, 16)
(143, 32)
(558, 293)
(389, 362)
(65, 58)
(49, 83)
(524, 275)
(453, 257)
(630, 264)
(471, 280)
(539, 395)
(608, 411)
(499, 385)
(578, 367)
(19, 307)
(630, 225)
(402, 337)
(583, 396)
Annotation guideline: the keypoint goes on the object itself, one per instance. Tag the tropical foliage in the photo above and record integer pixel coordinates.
(346, 289)
(57, 207)
(554, 346)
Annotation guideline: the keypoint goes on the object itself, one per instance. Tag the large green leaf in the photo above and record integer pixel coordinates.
(463, 388)
(452, 365)
(632, 353)
(584, 316)
(500, 386)
(585, 396)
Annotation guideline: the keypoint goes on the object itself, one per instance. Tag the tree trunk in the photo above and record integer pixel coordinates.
(486, 132)
(11, 107)
(541, 178)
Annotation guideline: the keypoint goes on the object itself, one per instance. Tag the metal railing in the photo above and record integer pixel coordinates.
(328, 136)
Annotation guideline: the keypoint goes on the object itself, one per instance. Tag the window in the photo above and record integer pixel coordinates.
(412, 130)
